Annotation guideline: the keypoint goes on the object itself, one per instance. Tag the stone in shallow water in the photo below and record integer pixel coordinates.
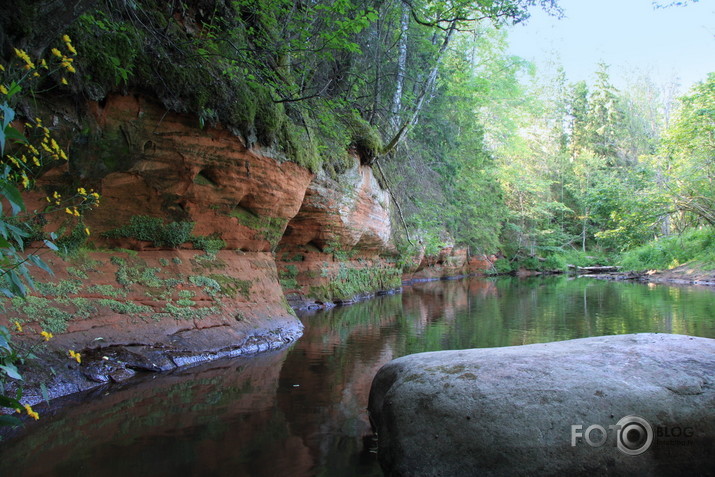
(540, 409)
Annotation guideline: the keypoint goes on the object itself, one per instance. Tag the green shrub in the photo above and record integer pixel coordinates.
(70, 244)
(502, 267)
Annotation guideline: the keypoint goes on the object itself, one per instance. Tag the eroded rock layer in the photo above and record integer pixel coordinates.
(191, 227)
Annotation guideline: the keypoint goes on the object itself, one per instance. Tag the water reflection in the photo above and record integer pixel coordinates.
(301, 412)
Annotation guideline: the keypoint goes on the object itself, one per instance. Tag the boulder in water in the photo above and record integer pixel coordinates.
(639, 404)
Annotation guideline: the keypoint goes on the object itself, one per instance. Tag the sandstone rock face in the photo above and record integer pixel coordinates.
(151, 311)
(143, 305)
(512, 411)
(351, 213)
(163, 165)
(449, 262)
(334, 249)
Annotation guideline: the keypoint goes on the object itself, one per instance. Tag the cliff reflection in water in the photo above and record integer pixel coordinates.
(301, 411)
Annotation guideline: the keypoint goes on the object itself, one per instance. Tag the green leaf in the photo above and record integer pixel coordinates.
(9, 402)
(16, 285)
(38, 262)
(11, 371)
(45, 394)
(13, 196)
(4, 343)
(7, 420)
(15, 135)
(51, 245)
(13, 89)
(8, 114)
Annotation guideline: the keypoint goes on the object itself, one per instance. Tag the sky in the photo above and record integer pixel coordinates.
(628, 35)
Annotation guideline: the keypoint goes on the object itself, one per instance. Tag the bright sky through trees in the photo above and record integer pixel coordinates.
(629, 35)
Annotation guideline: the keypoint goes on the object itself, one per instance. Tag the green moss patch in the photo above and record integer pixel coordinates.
(351, 282)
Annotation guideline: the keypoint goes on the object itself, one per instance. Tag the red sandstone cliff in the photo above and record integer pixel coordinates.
(168, 306)
(127, 303)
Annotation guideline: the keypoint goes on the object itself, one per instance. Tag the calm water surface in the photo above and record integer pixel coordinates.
(301, 411)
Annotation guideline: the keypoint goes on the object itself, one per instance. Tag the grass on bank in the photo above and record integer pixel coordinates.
(697, 245)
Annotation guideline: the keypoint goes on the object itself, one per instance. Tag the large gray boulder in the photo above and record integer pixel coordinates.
(540, 409)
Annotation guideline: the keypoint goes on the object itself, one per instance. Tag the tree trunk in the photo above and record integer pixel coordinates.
(378, 74)
(426, 89)
(401, 69)
(584, 227)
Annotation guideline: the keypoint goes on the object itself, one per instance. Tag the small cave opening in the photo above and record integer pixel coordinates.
(207, 176)
(315, 245)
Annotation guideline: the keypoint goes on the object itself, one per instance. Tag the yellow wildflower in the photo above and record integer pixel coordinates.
(68, 44)
(36, 162)
(76, 212)
(76, 356)
(56, 52)
(71, 69)
(30, 412)
(47, 335)
(3, 89)
(63, 155)
(36, 74)
(82, 191)
(2, 68)
(26, 58)
(46, 147)
(64, 81)
(54, 144)
(67, 209)
(18, 327)
(86, 230)
(33, 149)
(43, 64)
(25, 181)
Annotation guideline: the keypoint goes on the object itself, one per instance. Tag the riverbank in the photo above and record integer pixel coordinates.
(688, 274)
(132, 312)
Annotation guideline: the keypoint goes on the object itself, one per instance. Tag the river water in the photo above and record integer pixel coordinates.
(301, 411)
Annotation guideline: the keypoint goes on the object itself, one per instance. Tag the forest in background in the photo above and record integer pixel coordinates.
(477, 148)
